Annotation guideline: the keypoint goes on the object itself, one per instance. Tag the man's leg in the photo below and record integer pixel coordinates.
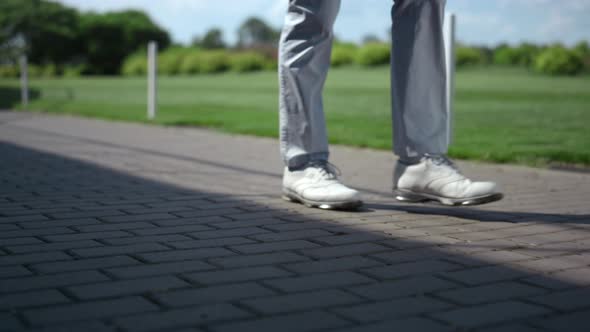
(304, 59)
(419, 116)
(418, 78)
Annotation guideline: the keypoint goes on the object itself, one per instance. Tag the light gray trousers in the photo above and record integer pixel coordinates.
(417, 79)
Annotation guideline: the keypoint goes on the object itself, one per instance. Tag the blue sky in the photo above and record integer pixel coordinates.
(483, 22)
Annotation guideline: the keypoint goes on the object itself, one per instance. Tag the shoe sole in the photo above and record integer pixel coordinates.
(343, 205)
(408, 196)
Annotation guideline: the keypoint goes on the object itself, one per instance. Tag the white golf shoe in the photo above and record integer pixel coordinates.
(436, 178)
(317, 185)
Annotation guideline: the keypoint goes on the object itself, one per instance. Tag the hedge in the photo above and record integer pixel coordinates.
(343, 54)
(246, 62)
(558, 60)
(373, 54)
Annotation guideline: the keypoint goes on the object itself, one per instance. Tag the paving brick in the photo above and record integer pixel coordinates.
(563, 279)
(410, 269)
(178, 318)
(19, 241)
(211, 220)
(86, 236)
(319, 281)
(159, 269)
(24, 218)
(86, 214)
(216, 242)
(13, 271)
(114, 227)
(185, 254)
(228, 233)
(333, 264)
(86, 326)
(34, 258)
(35, 232)
(489, 258)
(249, 223)
(555, 263)
(387, 310)
(344, 250)
(408, 324)
(205, 213)
(119, 250)
(182, 229)
(487, 274)
(511, 328)
(299, 322)
(213, 294)
(565, 300)
(568, 322)
(10, 322)
(350, 238)
(166, 238)
(126, 287)
(138, 217)
(23, 249)
(50, 281)
(259, 259)
(301, 301)
(31, 299)
(88, 310)
(257, 248)
(84, 264)
(9, 227)
(399, 288)
(471, 317)
(491, 293)
(237, 275)
(58, 223)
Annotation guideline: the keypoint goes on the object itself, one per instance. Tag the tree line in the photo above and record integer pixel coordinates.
(61, 40)
(60, 37)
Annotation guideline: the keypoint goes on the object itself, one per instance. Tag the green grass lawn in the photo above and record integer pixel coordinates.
(501, 115)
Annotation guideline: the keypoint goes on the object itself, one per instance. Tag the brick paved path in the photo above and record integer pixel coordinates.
(125, 227)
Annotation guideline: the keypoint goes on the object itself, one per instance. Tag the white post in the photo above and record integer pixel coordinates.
(152, 69)
(449, 40)
(24, 82)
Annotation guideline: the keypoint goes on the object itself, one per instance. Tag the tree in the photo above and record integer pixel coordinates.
(371, 38)
(45, 31)
(255, 32)
(213, 39)
(109, 38)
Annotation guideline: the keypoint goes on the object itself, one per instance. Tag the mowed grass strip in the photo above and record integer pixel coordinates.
(501, 114)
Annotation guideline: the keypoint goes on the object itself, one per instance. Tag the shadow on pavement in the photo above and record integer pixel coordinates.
(87, 248)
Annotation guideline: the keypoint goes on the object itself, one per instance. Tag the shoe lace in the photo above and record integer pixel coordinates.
(325, 169)
(442, 160)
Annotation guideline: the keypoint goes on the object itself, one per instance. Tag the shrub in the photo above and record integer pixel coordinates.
(583, 51)
(214, 61)
(74, 70)
(373, 54)
(506, 56)
(191, 63)
(35, 71)
(469, 56)
(558, 60)
(247, 61)
(9, 71)
(523, 55)
(135, 65)
(343, 54)
(169, 61)
(50, 70)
